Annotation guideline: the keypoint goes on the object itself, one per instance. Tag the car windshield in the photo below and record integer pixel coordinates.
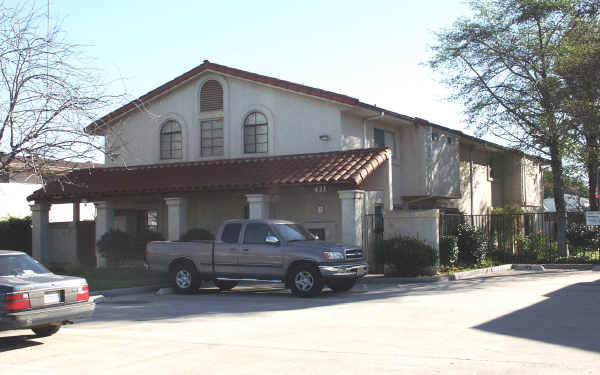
(294, 232)
(20, 265)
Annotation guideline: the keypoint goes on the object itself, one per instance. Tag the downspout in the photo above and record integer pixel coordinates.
(471, 182)
(364, 124)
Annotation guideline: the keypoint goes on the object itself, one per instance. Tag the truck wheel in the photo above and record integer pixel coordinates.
(45, 331)
(225, 284)
(305, 281)
(184, 277)
(341, 285)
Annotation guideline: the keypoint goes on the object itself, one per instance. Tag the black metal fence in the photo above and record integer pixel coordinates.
(520, 238)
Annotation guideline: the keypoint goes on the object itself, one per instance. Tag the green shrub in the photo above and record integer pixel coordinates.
(472, 245)
(449, 250)
(582, 236)
(407, 256)
(140, 241)
(196, 234)
(535, 248)
(15, 234)
(115, 246)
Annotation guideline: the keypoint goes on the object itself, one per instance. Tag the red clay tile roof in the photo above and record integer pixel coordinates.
(225, 70)
(342, 168)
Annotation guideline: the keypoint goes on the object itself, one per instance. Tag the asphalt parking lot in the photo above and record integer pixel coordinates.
(514, 323)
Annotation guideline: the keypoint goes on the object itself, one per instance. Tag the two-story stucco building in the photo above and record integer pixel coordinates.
(219, 143)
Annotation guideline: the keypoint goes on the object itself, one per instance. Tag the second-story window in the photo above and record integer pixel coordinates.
(171, 145)
(211, 138)
(256, 133)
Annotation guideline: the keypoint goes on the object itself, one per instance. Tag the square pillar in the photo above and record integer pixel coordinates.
(176, 217)
(352, 203)
(104, 223)
(39, 230)
(259, 205)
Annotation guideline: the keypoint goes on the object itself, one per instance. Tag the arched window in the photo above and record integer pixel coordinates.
(171, 145)
(211, 96)
(256, 133)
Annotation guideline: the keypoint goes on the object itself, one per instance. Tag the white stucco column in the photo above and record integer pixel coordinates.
(259, 205)
(39, 231)
(352, 203)
(176, 217)
(104, 223)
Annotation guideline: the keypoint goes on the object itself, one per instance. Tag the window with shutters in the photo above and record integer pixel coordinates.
(211, 96)
(384, 138)
(171, 145)
(211, 138)
(256, 133)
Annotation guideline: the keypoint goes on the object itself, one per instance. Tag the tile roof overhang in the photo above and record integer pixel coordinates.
(345, 169)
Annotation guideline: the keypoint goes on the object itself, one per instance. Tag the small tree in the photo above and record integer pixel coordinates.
(47, 95)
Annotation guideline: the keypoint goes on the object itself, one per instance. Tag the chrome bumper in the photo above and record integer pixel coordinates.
(344, 270)
(56, 315)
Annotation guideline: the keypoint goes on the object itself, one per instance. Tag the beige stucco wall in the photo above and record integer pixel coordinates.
(295, 122)
(420, 224)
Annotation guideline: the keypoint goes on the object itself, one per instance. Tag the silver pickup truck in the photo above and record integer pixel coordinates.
(270, 250)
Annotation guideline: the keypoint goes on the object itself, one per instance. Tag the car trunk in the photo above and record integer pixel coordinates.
(46, 290)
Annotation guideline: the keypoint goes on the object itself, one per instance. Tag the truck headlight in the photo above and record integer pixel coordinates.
(333, 255)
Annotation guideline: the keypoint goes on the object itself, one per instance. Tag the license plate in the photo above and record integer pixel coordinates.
(51, 298)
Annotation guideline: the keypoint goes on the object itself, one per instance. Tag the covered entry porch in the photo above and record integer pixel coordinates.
(326, 192)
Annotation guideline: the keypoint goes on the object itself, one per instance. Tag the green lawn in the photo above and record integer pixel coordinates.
(114, 278)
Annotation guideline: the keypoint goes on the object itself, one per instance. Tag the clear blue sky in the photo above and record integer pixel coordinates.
(370, 50)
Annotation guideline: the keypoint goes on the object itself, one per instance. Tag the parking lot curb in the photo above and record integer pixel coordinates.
(380, 279)
(126, 291)
(528, 267)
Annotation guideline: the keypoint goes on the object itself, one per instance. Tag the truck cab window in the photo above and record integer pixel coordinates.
(231, 233)
(257, 233)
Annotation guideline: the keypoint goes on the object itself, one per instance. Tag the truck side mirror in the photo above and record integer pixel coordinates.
(272, 240)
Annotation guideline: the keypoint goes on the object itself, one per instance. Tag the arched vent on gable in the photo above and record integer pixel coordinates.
(211, 96)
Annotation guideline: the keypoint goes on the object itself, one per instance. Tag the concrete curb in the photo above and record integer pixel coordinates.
(164, 291)
(528, 267)
(433, 279)
(568, 266)
(125, 291)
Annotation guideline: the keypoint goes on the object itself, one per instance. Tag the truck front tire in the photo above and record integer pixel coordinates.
(341, 285)
(184, 277)
(305, 281)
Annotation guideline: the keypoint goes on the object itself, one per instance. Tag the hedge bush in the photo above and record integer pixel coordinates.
(534, 248)
(196, 234)
(15, 234)
(448, 250)
(583, 236)
(115, 246)
(140, 241)
(472, 245)
(407, 256)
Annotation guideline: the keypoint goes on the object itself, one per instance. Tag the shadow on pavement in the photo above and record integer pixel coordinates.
(269, 298)
(8, 343)
(569, 317)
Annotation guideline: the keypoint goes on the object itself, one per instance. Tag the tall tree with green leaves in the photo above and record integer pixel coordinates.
(502, 65)
(579, 65)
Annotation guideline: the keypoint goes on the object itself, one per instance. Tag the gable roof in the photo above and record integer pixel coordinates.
(208, 66)
(340, 168)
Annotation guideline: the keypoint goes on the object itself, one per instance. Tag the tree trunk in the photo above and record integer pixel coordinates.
(591, 165)
(559, 199)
